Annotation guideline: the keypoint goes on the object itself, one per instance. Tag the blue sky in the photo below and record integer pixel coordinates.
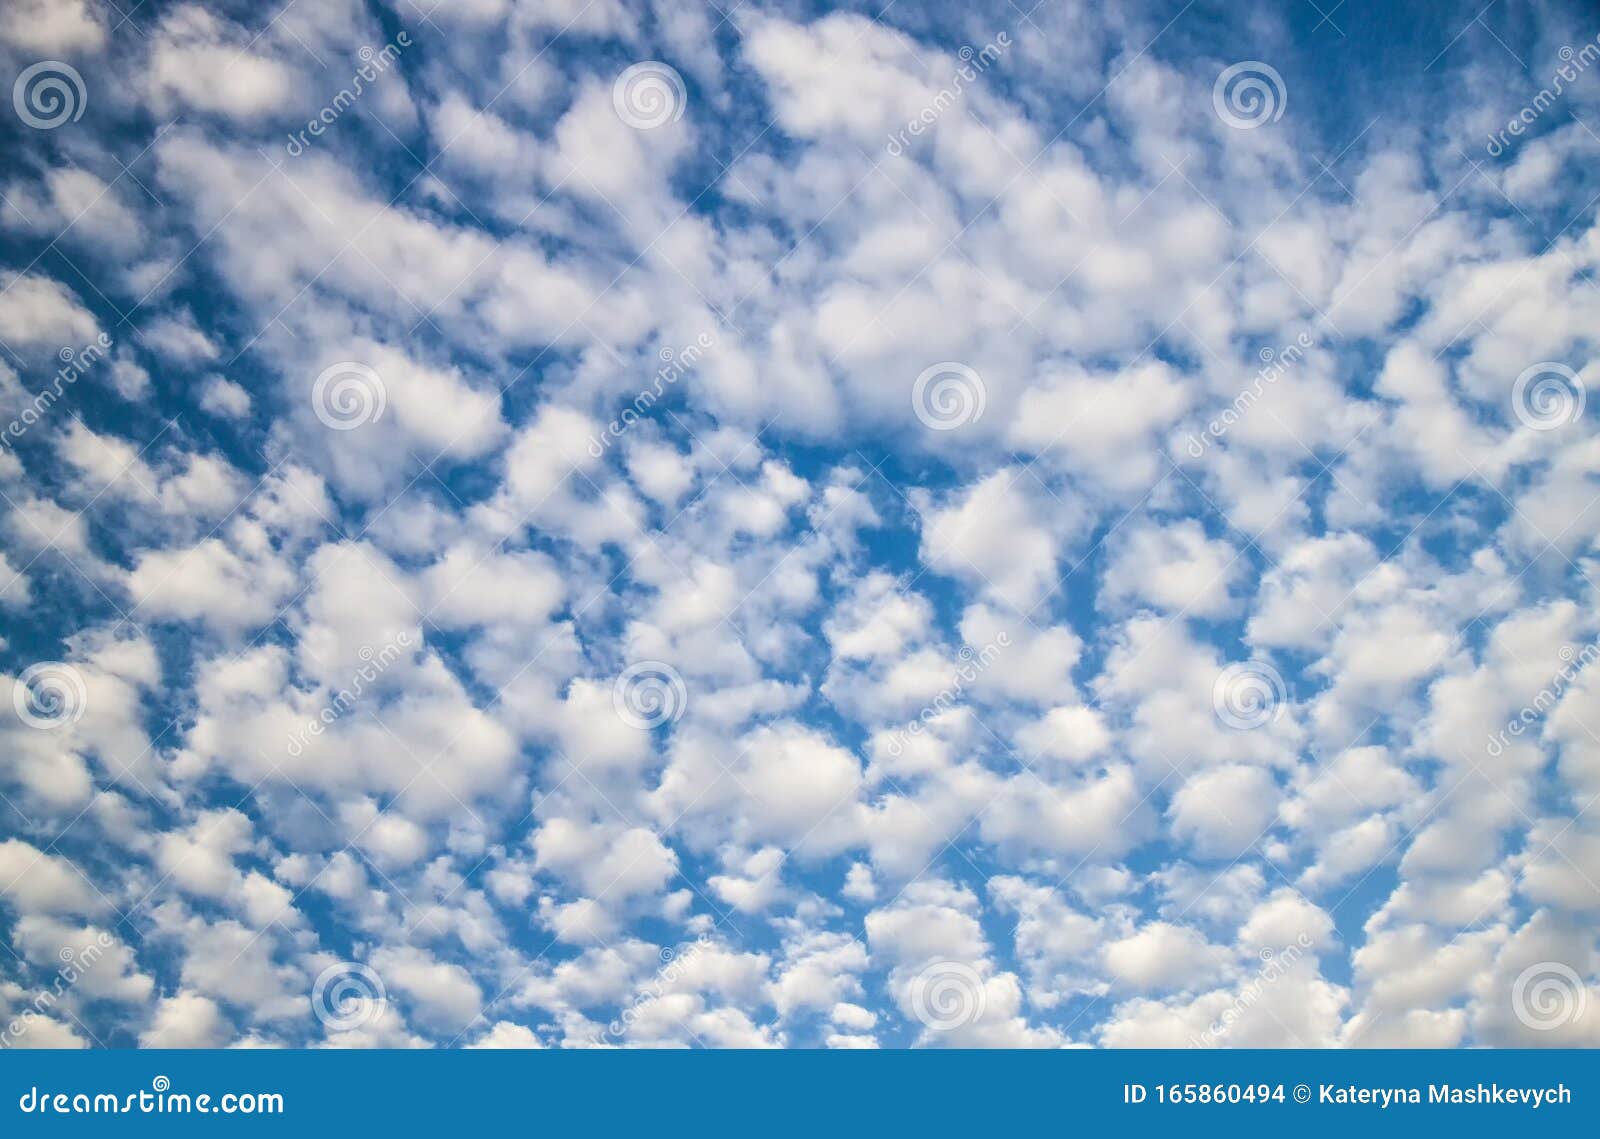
(630, 524)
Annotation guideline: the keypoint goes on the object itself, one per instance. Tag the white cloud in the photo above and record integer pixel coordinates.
(964, 702)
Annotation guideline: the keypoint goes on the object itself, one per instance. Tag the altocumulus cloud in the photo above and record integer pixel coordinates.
(649, 524)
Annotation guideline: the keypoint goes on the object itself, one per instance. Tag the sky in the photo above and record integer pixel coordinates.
(628, 523)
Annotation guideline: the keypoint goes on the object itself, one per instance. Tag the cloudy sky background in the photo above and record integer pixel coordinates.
(758, 524)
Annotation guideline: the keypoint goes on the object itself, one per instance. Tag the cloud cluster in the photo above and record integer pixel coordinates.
(572, 526)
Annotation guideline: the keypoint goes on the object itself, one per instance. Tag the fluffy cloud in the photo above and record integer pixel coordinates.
(887, 545)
